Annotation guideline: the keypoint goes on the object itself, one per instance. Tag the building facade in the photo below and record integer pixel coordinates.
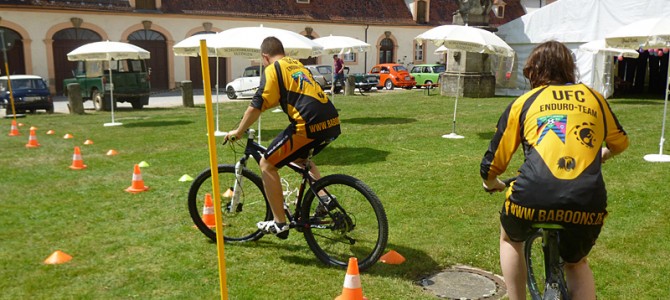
(38, 34)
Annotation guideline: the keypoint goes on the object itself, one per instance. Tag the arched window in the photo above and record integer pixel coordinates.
(386, 47)
(77, 34)
(146, 35)
(14, 51)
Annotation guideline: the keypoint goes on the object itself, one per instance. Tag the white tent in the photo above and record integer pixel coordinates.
(573, 22)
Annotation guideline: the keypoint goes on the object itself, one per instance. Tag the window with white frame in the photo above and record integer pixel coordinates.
(302, 1)
(418, 52)
(349, 57)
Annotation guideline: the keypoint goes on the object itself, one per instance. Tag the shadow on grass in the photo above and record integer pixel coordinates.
(344, 156)
(658, 101)
(157, 123)
(379, 121)
(487, 136)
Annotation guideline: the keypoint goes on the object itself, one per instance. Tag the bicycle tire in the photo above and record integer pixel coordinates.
(240, 224)
(534, 245)
(360, 230)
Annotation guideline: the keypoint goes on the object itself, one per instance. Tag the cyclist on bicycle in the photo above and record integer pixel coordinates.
(314, 122)
(562, 126)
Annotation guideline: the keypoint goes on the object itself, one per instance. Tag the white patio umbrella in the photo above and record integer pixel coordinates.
(334, 44)
(469, 39)
(190, 46)
(246, 42)
(601, 64)
(650, 33)
(108, 51)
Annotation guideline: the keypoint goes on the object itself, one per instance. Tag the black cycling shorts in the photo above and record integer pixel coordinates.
(574, 242)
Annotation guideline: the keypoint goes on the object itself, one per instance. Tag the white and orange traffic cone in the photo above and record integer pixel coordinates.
(14, 130)
(352, 289)
(32, 140)
(50, 132)
(77, 161)
(88, 142)
(112, 152)
(137, 185)
(208, 212)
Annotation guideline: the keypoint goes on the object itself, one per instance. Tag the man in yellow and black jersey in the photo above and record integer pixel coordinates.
(561, 127)
(314, 122)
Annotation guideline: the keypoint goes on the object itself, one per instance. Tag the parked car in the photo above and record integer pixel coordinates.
(323, 75)
(130, 78)
(427, 74)
(30, 93)
(246, 85)
(393, 75)
(364, 82)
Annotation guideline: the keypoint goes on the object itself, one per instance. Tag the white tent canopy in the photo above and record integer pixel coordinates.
(560, 21)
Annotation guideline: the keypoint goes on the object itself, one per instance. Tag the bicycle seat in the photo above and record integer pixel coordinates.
(547, 226)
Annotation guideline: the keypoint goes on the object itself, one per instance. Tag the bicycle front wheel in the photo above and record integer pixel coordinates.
(355, 226)
(239, 222)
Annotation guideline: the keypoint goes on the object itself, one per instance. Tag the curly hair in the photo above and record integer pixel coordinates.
(550, 63)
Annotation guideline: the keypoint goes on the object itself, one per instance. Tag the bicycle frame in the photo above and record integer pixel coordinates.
(256, 151)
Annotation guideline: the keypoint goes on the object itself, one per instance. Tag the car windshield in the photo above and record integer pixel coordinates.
(399, 68)
(324, 69)
(251, 72)
(439, 69)
(24, 84)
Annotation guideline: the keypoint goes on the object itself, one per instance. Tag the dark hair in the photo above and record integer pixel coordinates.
(272, 46)
(335, 56)
(550, 62)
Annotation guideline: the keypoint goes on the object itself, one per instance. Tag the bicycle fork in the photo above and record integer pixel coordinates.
(235, 204)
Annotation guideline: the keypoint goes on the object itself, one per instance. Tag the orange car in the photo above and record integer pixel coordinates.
(392, 75)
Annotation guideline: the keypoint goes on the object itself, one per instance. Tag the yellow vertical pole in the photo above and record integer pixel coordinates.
(211, 141)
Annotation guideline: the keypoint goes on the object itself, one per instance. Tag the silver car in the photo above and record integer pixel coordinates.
(323, 75)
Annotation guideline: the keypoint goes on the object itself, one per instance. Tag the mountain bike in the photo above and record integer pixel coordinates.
(541, 253)
(339, 215)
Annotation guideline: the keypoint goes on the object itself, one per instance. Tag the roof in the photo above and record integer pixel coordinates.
(373, 12)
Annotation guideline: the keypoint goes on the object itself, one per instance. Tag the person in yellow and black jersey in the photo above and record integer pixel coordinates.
(314, 122)
(562, 127)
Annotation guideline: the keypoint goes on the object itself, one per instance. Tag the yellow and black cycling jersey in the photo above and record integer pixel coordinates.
(562, 129)
(289, 84)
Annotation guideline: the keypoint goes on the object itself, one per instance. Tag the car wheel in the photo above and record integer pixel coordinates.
(388, 84)
(379, 88)
(428, 84)
(50, 109)
(230, 92)
(137, 103)
(97, 100)
(367, 89)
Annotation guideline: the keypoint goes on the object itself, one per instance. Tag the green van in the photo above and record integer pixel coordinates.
(130, 78)
(427, 74)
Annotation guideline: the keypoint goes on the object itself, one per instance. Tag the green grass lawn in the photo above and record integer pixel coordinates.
(144, 246)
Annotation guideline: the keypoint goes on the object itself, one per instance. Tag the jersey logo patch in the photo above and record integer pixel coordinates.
(555, 123)
(585, 134)
(566, 163)
(300, 78)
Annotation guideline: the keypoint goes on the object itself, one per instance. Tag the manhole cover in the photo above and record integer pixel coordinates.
(463, 282)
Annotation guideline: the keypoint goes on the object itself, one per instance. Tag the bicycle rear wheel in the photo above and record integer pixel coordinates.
(239, 223)
(535, 265)
(355, 226)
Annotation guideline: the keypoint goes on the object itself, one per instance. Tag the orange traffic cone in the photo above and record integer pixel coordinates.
(51, 131)
(352, 289)
(32, 140)
(77, 162)
(112, 152)
(137, 184)
(67, 136)
(392, 258)
(33, 128)
(228, 193)
(14, 130)
(88, 142)
(58, 257)
(208, 212)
